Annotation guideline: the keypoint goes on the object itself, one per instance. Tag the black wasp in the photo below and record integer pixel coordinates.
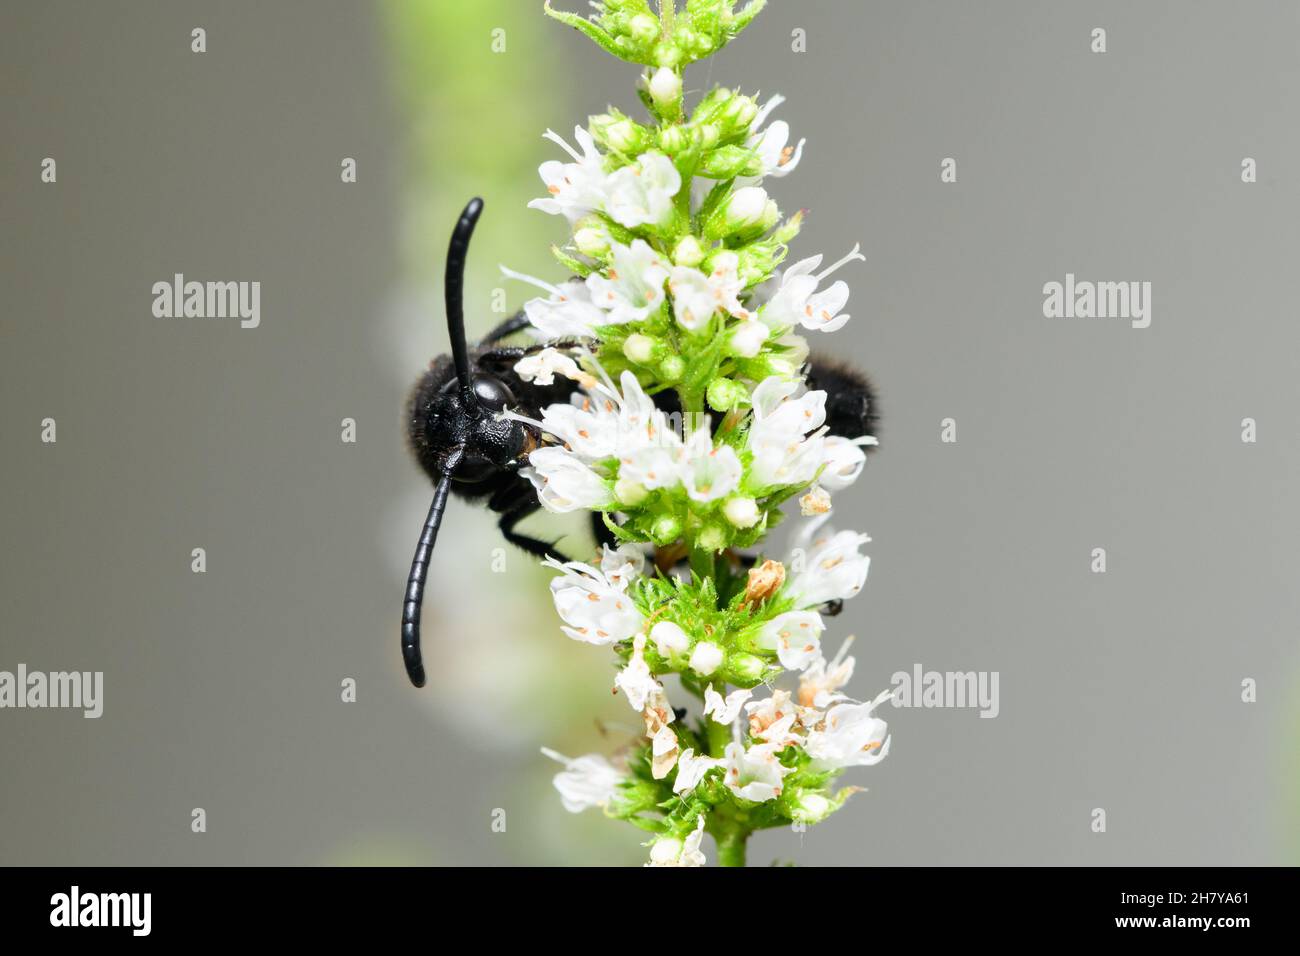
(456, 434)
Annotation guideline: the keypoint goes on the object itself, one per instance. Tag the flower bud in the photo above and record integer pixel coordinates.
(666, 91)
(672, 368)
(809, 806)
(643, 28)
(724, 394)
(706, 658)
(743, 211)
(712, 538)
(688, 252)
(629, 492)
(666, 530)
(617, 132)
(744, 670)
(639, 348)
(730, 161)
(748, 338)
(742, 512)
(592, 241)
(665, 851)
(674, 140)
(669, 639)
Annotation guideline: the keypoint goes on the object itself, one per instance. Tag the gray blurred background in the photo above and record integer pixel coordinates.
(1119, 691)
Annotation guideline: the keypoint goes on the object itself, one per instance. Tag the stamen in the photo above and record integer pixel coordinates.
(532, 280)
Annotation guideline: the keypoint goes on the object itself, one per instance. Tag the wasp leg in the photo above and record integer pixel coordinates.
(506, 502)
(509, 327)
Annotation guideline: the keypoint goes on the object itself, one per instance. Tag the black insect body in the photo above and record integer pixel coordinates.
(455, 432)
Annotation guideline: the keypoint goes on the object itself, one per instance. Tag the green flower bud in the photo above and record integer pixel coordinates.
(674, 140)
(708, 135)
(688, 252)
(592, 241)
(666, 530)
(617, 132)
(744, 670)
(725, 394)
(712, 538)
(643, 28)
(672, 368)
(726, 162)
(639, 348)
(808, 806)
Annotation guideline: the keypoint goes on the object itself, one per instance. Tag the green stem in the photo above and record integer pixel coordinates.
(731, 847)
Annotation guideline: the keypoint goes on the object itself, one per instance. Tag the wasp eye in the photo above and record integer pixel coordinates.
(492, 393)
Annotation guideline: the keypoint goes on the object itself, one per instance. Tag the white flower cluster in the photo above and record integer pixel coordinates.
(836, 732)
(616, 446)
(677, 288)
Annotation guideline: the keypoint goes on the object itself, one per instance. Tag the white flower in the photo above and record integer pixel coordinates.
(589, 781)
(795, 636)
(696, 296)
(778, 159)
(575, 188)
(819, 685)
(754, 774)
(782, 455)
(635, 679)
(850, 736)
(567, 312)
(772, 720)
(593, 604)
(669, 638)
(634, 285)
(542, 367)
(724, 711)
(588, 425)
(844, 459)
(564, 483)
(797, 300)
(709, 473)
(691, 770)
(831, 566)
(663, 750)
(642, 194)
(706, 658)
(670, 851)
(622, 565)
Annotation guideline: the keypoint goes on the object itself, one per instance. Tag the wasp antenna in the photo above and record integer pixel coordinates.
(455, 286)
(420, 569)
